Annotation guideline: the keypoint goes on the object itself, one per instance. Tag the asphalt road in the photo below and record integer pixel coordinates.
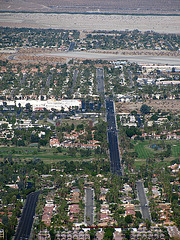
(24, 228)
(89, 206)
(140, 59)
(75, 74)
(113, 139)
(72, 45)
(111, 132)
(100, 80)
(143, 200)
(109, 56)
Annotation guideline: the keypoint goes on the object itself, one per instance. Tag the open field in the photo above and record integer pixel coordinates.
(113, 6)
(91, 22)
(164, 105)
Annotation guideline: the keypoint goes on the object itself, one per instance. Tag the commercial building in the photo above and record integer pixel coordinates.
(50, 104)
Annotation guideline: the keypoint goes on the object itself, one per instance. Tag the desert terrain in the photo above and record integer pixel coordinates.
(91, 22)
(102, 6)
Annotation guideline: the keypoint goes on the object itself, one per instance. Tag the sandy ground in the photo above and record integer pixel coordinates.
(82, 6)
(164, 105)
(162, 24)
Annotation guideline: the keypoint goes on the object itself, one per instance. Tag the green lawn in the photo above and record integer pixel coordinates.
(143, 151)
(45, 154)
(139, 163)
(175, 149)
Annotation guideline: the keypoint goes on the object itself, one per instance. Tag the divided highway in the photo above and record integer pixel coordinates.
(113, 139)
(111, 132)
(24, 228)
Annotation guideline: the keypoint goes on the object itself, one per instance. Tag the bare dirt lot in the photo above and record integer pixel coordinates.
(164, 105)
(91, 22)
(105, 6)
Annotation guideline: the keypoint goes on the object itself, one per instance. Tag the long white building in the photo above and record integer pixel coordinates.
(48, 104)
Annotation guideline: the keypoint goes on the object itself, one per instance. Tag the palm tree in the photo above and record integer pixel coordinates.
(148, 224)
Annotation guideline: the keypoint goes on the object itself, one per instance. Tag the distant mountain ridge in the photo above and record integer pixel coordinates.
(100, 6)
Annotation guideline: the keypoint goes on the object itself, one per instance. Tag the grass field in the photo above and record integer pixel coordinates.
(176, 150)
(143, 151)
(139, 163)
(48, 155)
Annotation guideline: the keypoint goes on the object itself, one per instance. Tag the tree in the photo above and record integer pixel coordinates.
(28, 106)
(138, 214)
(52, 233)
(72, 152)
(145, 109)
(92, 234)
(173, 70)
(129, 219)
(134, 113)
(127, 234)
(5, 220)
(154, 216)
(130, 131)
(108, 233)
(59, 149)
(59, 181)
(148, 224)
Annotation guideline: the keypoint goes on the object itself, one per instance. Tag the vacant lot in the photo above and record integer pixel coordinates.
(164, 105)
